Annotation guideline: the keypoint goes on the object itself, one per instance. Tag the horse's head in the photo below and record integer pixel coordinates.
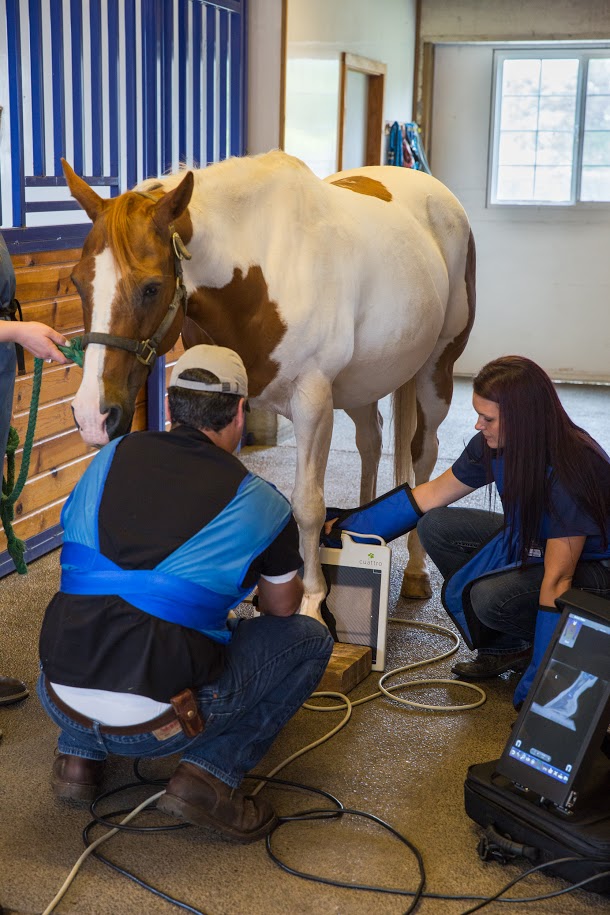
(129, 278)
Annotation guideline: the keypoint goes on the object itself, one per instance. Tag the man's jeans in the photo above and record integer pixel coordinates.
(273, 666)
(508, 603)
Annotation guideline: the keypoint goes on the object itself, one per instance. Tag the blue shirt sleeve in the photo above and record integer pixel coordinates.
(470, 467)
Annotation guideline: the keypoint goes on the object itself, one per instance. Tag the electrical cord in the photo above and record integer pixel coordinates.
(312, 815)
(316, 814)
(389, 690)
(336, 811)
(64, 888)
(532, 870)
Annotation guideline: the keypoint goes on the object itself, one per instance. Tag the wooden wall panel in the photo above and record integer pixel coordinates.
(59, 456)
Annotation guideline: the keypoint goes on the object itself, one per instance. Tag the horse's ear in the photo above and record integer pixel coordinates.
(91, 203)
(175, 202)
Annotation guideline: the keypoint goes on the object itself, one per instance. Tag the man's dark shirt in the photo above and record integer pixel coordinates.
(161, 489)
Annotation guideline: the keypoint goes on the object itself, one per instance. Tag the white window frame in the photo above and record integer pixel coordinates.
(583, 55)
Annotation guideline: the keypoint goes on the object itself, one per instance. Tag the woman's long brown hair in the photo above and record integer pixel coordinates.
(540, 444)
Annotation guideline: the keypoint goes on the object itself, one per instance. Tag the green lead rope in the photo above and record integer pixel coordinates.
(74, 351)
(11, 490)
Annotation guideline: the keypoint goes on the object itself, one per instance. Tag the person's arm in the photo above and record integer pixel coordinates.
(561, 555)
(283, 599)
(441, 491)
(39, 339)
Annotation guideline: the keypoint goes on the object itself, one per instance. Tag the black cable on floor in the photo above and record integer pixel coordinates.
(335, 812)
(532, 870)
(321, 814)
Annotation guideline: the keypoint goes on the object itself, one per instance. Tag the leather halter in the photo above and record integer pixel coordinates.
(145, 351)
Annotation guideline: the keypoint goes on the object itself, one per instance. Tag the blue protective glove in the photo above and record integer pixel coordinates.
(546, 623)
(389, 516)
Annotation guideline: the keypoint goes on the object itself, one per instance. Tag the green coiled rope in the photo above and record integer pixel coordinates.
(11, 489)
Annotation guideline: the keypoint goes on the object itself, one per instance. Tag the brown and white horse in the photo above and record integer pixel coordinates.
(334, 293)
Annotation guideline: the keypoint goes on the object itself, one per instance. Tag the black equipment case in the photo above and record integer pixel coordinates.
(548, 796)
(511, 820)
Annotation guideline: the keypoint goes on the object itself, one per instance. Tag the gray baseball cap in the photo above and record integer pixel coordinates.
(222, 362)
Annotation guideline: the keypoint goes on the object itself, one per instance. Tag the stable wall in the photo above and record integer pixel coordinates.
(543, 273)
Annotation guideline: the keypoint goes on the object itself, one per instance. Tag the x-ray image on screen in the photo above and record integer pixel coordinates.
(563, 708)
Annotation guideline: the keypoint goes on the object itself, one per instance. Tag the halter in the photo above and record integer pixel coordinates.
(145, 351)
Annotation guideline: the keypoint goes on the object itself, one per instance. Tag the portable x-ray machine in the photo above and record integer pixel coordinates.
(358, 577)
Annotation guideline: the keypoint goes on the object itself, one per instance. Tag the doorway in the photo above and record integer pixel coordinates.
(360, 111)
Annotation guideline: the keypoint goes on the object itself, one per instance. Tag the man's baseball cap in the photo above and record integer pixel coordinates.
(222, 362)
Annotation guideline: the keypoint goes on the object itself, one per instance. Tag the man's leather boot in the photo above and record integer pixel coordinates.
(204, 800)
(12, 690)
(485, 666)
(77, 779)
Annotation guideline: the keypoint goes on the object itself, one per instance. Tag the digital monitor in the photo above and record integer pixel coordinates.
(566, 713)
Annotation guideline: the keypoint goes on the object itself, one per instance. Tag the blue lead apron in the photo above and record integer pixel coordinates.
(496, 557)
(199, 582)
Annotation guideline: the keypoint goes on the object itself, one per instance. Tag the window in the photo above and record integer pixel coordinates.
(551, 127)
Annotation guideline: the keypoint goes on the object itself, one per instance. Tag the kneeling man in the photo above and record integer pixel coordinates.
(163, 535)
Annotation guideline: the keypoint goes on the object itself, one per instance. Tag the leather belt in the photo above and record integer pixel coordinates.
(184, 712)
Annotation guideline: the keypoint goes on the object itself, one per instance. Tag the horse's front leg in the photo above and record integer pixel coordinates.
(312, 416)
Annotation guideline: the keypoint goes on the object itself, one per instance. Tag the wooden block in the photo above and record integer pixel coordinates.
(348, 666)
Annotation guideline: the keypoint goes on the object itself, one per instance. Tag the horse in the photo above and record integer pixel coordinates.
(335, 292)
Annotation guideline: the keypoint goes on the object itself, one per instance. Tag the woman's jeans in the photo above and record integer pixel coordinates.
(273, 665)
(508, 603)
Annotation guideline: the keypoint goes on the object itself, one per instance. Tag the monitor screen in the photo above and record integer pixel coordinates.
(564, 708)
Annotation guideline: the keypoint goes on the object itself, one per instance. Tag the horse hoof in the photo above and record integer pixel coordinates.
(416, 586)
(310, 606)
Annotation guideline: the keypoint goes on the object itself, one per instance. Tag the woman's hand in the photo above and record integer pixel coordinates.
(39, 339)
(328, 526)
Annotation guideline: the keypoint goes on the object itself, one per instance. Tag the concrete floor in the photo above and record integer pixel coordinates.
(407, 767)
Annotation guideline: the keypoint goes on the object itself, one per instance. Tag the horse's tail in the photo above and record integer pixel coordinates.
(404, 408)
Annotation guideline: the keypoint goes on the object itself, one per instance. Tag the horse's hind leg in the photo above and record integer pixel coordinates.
(369, 425)
(434, 389)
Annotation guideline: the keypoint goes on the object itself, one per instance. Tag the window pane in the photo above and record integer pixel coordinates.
(598, 81)
(553, 183)
(595, 184)
(520, 113)
(596, 149)
(598, 112)
(559, 76)
(517, 148)
(557, 112)
(554, 148)
(520, 77)
(515, 183)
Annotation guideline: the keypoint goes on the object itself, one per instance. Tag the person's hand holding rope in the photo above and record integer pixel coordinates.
(39, 339)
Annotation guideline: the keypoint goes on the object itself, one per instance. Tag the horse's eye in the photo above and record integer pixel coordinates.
(150, 291)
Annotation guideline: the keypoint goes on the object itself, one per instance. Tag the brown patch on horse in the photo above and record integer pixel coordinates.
(241, 316)
(442, 376)
(417, 443)
(363, 185)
